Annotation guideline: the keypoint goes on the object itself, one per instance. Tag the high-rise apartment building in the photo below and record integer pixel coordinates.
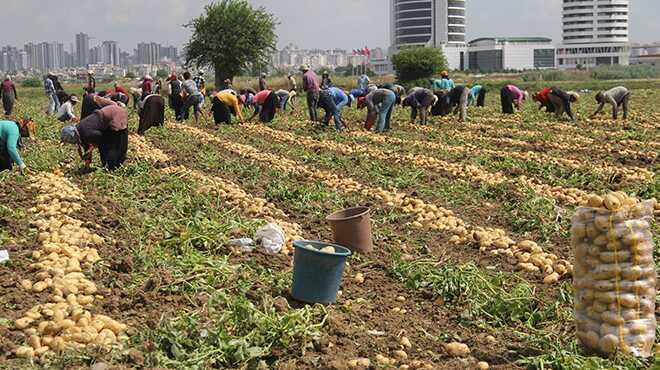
(148, 53)
(82, 50)
(110, 53)
(595, 32)
(432, 23)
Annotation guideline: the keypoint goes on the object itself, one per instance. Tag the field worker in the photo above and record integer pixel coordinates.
(8, 95)
(291, 80)
(225, 104)
(107, 130)
(311, 87)
(51, 93)
(380, 102)
(543, 98)
(119, 98)
(200, 82)
(10, 141)
(158, 86)
(477, 96)
(175, 99)
(444, 83)
(458, 101)
(247, 97)
(617, 97)
(333, 100)
(363, 83)
(561, 102)
(151, 112)
(147, 86)
(326, 82)
(119, 89)
(265, 105)
(192, 98)
(420, 101)
(286, 98)
(91, 82)
(511, 94)
(90, 104)
(263, 84)
(66, 113)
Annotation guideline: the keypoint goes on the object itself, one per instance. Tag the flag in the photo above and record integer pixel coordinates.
(366, 51)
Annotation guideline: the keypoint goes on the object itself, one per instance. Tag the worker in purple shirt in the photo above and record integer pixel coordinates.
(311, 87)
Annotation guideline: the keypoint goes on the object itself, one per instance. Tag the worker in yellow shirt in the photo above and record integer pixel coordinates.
(226, 104)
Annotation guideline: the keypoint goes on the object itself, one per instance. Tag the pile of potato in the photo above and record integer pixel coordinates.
(615, 274)
(66, 249)
(148, 152)
(571, 196)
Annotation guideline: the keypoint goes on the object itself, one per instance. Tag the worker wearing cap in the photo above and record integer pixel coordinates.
(444, 83)
(312, 88)
(91, 82)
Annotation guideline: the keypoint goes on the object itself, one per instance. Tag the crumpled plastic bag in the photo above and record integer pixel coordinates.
(245, 245)
(271, 237)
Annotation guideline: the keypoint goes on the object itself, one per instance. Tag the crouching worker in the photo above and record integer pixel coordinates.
(286, 98)
(65, 113)
(379, 103)
(617, 97)
(333, 100)
(420, 101)
(225, 104)
(10, 141)
(105, 129)
(151, 112)
(477, 96)
(265, 105)
(457, 100)
(561, 102)
(510, 95)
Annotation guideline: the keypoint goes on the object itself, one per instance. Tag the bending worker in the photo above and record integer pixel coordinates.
(420, 101)
(617, 97)
(10, 140)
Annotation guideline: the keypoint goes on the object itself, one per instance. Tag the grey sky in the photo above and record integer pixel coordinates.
(306, 23)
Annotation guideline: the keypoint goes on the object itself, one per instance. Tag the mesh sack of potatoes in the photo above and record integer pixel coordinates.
(614, 276)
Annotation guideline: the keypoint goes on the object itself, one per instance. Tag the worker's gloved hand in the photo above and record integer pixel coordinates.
(23, 169)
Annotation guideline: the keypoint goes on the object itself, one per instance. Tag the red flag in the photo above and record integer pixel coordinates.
(367, 52)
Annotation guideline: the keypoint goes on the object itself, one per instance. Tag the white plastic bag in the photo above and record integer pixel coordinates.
(4, 256)
(246, 245)
(271, 237)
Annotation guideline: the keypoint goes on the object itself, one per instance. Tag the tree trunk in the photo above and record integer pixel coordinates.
(221, 74)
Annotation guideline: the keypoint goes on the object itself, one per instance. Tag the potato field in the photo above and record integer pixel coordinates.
(472, 266)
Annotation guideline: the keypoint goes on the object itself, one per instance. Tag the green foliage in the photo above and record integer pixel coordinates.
(32, 82)
(232, 36)
(418, 63)
(130, 75)
(496, 298)
(624, 72)
(161, 73)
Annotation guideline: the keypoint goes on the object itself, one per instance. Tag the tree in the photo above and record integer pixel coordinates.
(418, 63)
(231, 36)
(161, 73)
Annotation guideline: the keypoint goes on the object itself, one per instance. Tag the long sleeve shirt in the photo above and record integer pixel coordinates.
(543, 96)
(614, 96)
(49, 87)
(517, 94)
(374, 98)
(311, 81)
(363, 82)
(261, 96)
(66, 109)
(443, 84)
(114, 117)
(8, 88)
(420, 98)
(230, 100)
(474, 93)
(10, 135)
(147, 87)
(292, 83)
(338, 96)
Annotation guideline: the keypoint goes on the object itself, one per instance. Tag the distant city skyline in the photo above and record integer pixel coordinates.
(343, 24)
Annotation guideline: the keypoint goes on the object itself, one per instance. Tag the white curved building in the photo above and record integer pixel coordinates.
(431, 23)
(595, 32)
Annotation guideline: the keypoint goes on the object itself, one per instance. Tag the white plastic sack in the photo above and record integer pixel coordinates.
(4, 255)
(246, 245)
(271, 237)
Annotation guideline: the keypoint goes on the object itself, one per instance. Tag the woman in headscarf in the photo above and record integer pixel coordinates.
(175, 99)
(266, 103)
(147, 86)
(561, 102)
(151, 113)
(510, 95)
(10, 141)
(8, 94)
(420, 101)
(225, 104)
(107, 130)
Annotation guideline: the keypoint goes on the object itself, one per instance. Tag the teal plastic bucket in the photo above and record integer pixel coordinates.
(317, 275)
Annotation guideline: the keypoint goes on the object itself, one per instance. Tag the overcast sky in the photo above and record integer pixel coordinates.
(307, 23)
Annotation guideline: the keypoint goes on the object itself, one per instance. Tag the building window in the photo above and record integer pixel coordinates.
(544, 58)
(486, 60)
